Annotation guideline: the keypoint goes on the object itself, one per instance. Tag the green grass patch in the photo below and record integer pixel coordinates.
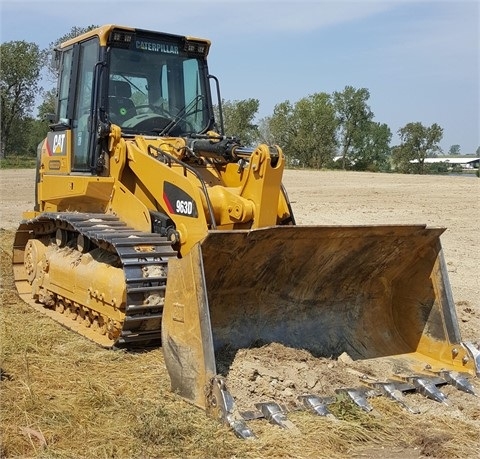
(18, 162)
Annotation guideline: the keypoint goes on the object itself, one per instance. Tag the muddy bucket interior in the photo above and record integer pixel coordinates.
(369, 291)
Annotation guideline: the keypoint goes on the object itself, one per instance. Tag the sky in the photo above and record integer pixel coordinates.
(419, 60)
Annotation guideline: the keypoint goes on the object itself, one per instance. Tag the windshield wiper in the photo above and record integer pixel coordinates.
(181, 115)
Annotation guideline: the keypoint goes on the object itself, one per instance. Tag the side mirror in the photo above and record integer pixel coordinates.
(56, 55)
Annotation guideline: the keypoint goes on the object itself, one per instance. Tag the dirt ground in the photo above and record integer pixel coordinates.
(346, 198)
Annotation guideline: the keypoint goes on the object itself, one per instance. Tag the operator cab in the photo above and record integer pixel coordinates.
(155, 87)
(147, 83)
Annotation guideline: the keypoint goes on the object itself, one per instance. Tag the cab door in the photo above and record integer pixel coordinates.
(77, 96)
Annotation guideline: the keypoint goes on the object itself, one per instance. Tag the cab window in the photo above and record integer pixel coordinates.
(88, 58)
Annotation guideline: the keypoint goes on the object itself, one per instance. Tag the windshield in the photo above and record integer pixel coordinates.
(157, 93)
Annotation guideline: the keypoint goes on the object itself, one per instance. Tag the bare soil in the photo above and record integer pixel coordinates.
(347, 198)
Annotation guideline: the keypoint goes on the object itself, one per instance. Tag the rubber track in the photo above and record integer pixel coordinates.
(108, 231)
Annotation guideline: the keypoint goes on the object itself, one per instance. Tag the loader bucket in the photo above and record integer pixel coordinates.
(369, 291)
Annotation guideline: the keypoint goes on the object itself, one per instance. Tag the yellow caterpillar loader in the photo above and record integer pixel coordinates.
(152, 227)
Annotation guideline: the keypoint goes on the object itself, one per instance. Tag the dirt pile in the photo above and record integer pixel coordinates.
(274, 372)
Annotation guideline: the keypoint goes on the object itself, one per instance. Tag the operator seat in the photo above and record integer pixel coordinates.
(121, 106)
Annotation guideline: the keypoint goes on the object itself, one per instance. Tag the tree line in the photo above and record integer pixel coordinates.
(338, 131)
(318, 131)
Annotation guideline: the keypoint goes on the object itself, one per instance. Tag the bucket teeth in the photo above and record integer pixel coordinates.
(474, 351)
(394, 392)
(274, 414)
(358, 396)
(241, 429)
(427, 387)
(224, 408)
(317, 405)
(458, 380)
(391, 388)
(250, 415)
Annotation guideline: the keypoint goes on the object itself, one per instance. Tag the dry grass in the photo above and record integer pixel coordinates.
(64, 397)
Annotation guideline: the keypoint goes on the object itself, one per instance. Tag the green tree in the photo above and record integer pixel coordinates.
(281, 126)
(454, 150)
(238, 118)
(417, 143)
(264, 132)
(373, 153)
(306, 130)
(354, 116)
(48, 104)
(19, 83)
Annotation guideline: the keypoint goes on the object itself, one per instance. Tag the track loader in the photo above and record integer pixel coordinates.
(152, 227)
